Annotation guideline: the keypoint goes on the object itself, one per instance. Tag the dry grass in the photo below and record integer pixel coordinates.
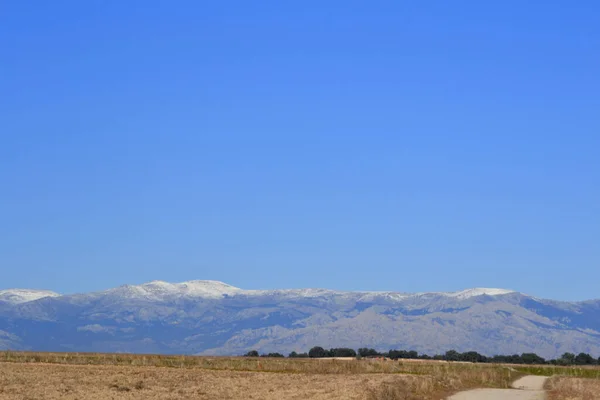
(53, 381)
(99, 382)
(569, 388)
(28, 376)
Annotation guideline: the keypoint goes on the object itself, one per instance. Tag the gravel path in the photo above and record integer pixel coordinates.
(526, 388)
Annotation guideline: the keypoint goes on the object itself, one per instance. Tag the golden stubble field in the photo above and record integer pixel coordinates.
(70, 382)
(69, 376)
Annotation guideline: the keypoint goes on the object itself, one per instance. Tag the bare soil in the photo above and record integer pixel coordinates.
(70, 382)
(81, 376)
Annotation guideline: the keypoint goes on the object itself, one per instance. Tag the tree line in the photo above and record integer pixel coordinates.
(451, 355)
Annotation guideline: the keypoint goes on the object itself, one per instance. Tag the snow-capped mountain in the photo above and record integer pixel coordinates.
(18, 296)
(211, 317)
(160, 290)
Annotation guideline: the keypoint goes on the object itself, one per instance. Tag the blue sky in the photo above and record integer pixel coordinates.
(409, 146)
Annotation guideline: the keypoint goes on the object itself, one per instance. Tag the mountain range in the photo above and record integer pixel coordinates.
(213, 318)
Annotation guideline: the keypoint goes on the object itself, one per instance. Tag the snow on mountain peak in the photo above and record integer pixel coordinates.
(18, 296)
(207, 288)
(157, 290)
(217, 289)
(465, 294)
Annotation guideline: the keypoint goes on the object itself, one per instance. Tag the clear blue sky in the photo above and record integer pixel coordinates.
(409, 146)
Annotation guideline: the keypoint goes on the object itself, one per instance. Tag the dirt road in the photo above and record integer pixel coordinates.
(526, 388)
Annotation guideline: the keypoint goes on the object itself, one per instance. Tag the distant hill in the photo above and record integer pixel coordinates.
(213, 318)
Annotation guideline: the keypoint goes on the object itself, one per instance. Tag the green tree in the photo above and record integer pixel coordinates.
(251, 353)
(532, 358)
(452, 355)
(584, 359)
(365, 352)
(318, 352)
(473, 356)
(342, 352)
(396, 354)
(567, 359)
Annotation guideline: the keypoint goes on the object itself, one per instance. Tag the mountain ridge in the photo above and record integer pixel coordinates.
(214, 288)
(214, 318)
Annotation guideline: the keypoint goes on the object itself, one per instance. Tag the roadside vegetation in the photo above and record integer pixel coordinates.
(570, 388)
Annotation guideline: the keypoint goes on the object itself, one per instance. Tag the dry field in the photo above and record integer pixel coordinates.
(94, 382)
(569, 388)
(29, 376)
